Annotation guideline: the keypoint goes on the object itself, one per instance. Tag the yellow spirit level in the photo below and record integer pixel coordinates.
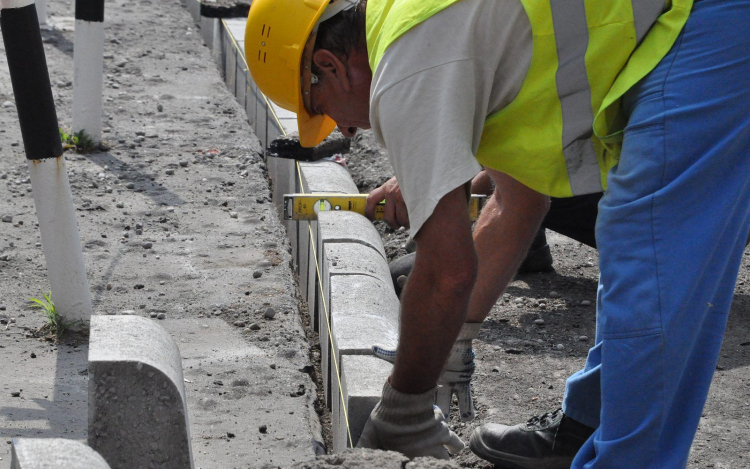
(307, 206)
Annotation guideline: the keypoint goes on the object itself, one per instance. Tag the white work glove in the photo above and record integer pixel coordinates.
(456, 375)
(409, 424)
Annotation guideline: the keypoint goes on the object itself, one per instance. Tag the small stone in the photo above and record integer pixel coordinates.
(495, 369)
(233, 214)
(33, 355)
(15, 394)
(230, 435)
(583, 338)
(170, 172)
(263, 428)
(239, 323)
(7, 104)
(161, 316)
(184, 163)
(153, 314)
(120, 205)
(130, 185)
(257, 274)
(7, 219)
(559, 347)
(554, 294)
(585, 303)
(269, 313)
(539, 322)
(146, 245)
(128, 312)
(159, 107)
(219, 382)
(254, 326)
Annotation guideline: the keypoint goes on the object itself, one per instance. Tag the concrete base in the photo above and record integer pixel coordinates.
(137, 405)
(54, 453)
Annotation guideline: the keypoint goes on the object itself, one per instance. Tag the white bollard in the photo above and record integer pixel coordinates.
(41, 140)
(88, 65)
(61, 240)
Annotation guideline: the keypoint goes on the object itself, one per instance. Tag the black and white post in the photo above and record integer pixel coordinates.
(49, 178)
(88, 65)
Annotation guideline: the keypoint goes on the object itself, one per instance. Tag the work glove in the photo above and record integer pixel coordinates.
(456, 375)
(409, 424)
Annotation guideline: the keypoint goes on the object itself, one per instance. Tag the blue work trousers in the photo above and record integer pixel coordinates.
(671, 232)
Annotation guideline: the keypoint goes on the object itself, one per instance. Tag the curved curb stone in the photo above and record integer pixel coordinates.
(137, 407)
(54, 453)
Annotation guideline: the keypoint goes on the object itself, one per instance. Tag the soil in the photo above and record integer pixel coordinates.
(176, 222)
(522, 366)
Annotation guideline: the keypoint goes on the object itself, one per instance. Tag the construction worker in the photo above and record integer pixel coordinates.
(556, 98)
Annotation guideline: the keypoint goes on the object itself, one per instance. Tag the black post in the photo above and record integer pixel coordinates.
(30, 80)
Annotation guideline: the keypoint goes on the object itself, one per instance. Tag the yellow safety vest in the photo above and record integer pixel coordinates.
(563, 131)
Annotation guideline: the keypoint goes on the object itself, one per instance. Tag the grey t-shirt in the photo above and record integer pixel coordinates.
(433, 89)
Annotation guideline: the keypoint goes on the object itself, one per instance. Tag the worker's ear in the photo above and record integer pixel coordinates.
(331, 67)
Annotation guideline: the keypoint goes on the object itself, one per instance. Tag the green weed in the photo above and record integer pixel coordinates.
(55, 326)
(79, 141)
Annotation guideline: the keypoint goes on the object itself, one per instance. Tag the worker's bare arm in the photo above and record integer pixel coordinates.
(502, 237)
(434, 302)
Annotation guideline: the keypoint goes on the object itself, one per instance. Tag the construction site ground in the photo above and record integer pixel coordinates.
(176, 222)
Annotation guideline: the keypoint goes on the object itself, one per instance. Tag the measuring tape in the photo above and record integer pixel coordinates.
(307, 206)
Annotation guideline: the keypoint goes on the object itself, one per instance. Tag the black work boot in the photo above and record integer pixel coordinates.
(548, 441)
(539, 257)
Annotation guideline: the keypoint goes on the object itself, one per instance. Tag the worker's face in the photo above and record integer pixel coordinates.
(343, 91)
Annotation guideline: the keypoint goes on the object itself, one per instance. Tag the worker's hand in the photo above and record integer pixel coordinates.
(409, 424)
(395, 208)
(456, 375)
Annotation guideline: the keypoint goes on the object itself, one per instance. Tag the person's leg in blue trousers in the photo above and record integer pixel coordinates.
(671, 230)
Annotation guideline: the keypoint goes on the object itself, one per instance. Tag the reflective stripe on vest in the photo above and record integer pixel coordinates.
(545, 138)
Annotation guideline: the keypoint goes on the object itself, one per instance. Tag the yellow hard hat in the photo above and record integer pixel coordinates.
(279, 37)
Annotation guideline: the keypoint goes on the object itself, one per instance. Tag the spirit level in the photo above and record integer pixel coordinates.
(307, 206)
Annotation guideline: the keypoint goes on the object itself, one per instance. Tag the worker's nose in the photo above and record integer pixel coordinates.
(348, 132)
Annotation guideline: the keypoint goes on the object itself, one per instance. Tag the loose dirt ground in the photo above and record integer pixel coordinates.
(175, 220)
(522, 366)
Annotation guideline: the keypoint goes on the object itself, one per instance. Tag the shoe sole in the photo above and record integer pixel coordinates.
(513, 461)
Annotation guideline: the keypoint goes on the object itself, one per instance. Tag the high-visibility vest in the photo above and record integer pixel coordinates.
(563, 131)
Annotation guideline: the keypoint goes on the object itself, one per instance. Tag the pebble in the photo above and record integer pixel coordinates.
(539, 322)
(554, 294)
(254, 326)
(257, 274)
(559, 347)
(146, 245)
(130, 185)
(120, 205)
(269, 313)
(161, 316)
(8, 104)
(7, 219)
(184, 163)
(153, 314)
(33, 355)
(583, 338)
(585, 303)
(128, 312)
(263, 428)
(159, 107)
(239, 323)
(170, 172)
